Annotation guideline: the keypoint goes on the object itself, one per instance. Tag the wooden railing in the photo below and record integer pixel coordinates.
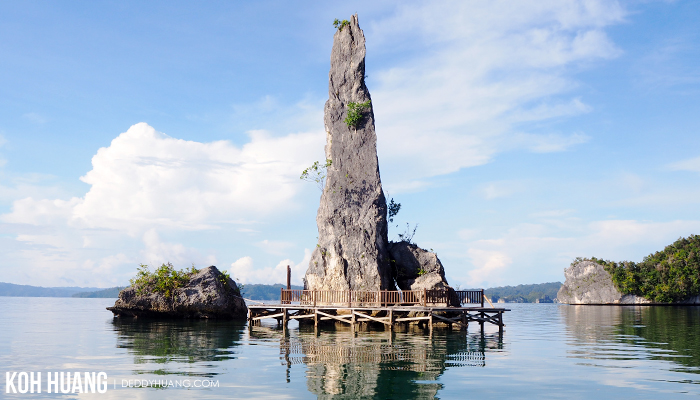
(354, 298)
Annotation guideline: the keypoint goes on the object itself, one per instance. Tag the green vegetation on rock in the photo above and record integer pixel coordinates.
(316, 173)
(355, 113)
(339, 25)
(165, 279)
(665, 276)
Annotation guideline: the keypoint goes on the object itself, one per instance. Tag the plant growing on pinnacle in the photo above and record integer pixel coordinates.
(339, 25)
(355, 113)
(393, 209)
(316, 173)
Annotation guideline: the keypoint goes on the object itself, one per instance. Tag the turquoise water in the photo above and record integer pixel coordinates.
(547, 351)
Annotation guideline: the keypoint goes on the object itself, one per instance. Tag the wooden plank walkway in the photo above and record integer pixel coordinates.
(386, 315)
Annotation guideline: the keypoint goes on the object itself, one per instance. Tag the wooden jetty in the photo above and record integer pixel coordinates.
(425, 307)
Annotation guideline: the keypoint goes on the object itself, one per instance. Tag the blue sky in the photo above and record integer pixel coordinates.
(517, 135)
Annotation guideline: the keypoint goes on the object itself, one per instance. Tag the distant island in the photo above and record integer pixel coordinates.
(670, 276)
(10, 289)
(109, 293)
(253, 291)
(534, 293)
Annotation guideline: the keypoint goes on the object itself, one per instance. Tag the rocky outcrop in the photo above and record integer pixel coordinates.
(352, 246)
(208, 294)
(589, 283)
(416, 268)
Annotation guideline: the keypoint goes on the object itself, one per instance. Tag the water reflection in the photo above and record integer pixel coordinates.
(635, 333)
(170, 344)
(379, 364)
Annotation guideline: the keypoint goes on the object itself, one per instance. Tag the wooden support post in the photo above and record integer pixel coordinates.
(285, 317)
(482, 298)
(425, 297)
(481, 322)
(315, 318)
(289, 277)
(391, 318)
(430, 322)
(500, 323)
(465, 323)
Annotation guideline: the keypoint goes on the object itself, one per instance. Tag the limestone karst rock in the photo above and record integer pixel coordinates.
(352, 251)
(589, 283)
(209, 294)
(416, 268)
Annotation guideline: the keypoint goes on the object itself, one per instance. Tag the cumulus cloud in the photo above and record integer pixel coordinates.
(146, 183)
(244, 271)
(146, 178)
(491, 66)
(532, 253)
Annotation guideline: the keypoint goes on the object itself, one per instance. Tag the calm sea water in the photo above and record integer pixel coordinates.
(547, 351)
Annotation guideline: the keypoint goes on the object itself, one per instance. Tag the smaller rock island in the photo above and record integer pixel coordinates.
(588, 282)
(205, 293)
(669, 276)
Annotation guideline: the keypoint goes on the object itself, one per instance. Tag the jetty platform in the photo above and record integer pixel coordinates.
(424, 307)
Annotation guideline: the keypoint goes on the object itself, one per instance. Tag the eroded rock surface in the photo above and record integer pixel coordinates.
(589, 283)
(209, 294)
(416, 268)
(352, 246)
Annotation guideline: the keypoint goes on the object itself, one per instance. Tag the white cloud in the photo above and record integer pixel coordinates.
(692, 165)
(489, 265)
(156, 252)
(495, 190)
(244, 270)
(533, 253)
(146, 179)
(549, 143)
(275, 246)
(147, 183)
(481, 70)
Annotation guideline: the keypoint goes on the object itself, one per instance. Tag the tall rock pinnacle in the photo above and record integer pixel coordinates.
(352, 251)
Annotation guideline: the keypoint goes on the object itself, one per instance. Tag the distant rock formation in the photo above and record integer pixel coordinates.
(352, 251)
(589, 283)
(209, 294)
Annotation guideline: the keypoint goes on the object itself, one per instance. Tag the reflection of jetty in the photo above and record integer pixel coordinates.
(378, 364)
(424, 307)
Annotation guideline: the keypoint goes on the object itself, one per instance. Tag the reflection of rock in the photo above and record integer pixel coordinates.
(208, 294)
(378, 364)
(352, 228)
(589, 283)
(181, 341)
(673, 330)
